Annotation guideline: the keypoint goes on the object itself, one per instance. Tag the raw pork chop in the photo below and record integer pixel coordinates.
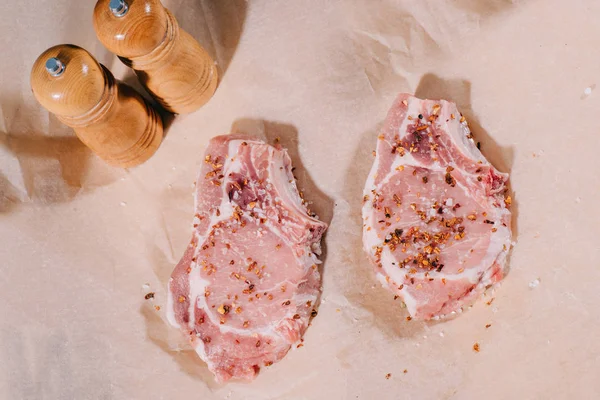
(436, 222)
(246, 287)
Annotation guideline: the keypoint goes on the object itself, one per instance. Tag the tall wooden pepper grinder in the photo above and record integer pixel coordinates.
(108, 116)
(169, 62)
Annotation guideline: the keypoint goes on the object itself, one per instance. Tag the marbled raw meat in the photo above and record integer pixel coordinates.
(436, 214)
(247, 284)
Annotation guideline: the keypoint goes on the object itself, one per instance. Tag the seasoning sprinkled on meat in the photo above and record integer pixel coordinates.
(428, 230)
(241, 289)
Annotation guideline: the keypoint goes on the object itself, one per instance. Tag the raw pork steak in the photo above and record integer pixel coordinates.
(248, 282)
(436, 222)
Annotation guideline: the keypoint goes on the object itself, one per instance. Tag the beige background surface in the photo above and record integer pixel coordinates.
(79, 238)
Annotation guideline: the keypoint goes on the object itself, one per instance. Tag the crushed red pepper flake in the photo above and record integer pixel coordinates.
(450, 179)
(476, 347)
(224, 309)
(149, 296)
(388, 376)
(181, 299)
(488, 325)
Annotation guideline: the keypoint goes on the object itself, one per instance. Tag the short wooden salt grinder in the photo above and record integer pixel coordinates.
(168, 61)
(108, 116)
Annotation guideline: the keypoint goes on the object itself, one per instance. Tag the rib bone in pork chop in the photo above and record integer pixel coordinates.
(247, 284)
(436, 220)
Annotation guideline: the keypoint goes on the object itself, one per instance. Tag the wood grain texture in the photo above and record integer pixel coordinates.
(169, 62)
(109, 117)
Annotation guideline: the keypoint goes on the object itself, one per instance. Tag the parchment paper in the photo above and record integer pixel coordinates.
(80, 238)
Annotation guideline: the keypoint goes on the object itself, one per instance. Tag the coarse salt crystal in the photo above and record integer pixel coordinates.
(534, 283)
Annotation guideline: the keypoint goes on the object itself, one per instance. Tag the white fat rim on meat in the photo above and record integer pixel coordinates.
(170, 312)
(500, 240)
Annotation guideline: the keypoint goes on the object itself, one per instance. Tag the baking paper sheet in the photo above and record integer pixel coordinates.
(81, 240)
